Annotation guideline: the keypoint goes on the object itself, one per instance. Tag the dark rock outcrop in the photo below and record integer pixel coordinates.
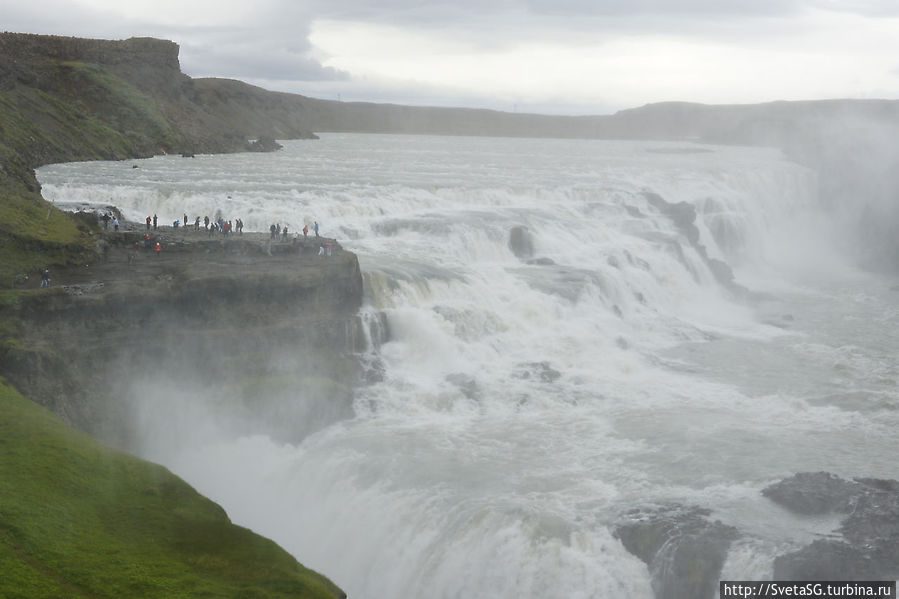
(264, 144)
(683, 215)
(521, 242)
(684, 550)
(812, 493)
(869, 549)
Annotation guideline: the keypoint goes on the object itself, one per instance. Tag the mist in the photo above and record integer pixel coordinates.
(558, 341)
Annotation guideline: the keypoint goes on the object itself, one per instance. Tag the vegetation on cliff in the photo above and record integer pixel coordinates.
(78, 519)
(68, 99)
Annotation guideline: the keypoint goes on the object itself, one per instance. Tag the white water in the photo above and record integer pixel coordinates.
(465, 473)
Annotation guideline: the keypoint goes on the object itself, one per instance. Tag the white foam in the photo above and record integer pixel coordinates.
(525, 406)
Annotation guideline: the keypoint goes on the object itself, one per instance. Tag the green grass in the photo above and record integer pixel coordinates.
(33, 233)
(78, 519)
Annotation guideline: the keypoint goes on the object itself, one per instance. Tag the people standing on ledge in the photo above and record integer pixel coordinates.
(148, 223)
(154, 222)
(115, 223)
(45, 278)
(305, 231)
(316, 228)
(158, 249)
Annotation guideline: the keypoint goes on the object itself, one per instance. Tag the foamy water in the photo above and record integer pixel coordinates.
(524, 407)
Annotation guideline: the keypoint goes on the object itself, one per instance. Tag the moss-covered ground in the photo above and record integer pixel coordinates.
(78, 519)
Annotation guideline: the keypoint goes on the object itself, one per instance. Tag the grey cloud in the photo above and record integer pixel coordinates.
(244, 62)
(662, 7)
(871, 8)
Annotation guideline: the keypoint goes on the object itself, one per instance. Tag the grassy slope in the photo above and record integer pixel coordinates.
(72, 111)
(80, 520)
(36, 127)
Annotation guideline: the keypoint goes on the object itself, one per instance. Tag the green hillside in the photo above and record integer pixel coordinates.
(78, 519)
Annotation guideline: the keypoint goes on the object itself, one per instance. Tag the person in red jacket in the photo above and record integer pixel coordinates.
(158, 248)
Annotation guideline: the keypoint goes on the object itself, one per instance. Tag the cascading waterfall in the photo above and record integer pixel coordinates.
(523, 403)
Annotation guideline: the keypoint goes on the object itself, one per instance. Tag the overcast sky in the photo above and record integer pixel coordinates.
(548, 56)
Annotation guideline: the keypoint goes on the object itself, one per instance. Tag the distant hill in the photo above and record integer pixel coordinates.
(64, 99)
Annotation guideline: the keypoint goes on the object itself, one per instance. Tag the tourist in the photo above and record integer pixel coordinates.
(154, 222)
(158, 249)
(328, 246)
(105, 219)
(206, 223)
(321, 249)
(284, 233)
(316, 228)
(45, 278)
(305, 231)
(197, 224)
(148, 223)
(115, 223)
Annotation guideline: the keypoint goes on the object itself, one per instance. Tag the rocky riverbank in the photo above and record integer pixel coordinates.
(685, 548)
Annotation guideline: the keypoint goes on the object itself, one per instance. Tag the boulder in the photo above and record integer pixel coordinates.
(812, 493)
(869, 547)
(684, 550)
(521, 243)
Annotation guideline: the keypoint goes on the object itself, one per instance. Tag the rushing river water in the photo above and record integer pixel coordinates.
(525, 407)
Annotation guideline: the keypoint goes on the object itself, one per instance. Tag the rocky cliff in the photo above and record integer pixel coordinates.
(271, 332)
(266, 330)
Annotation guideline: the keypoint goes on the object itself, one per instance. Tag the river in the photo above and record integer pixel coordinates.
(527, 402)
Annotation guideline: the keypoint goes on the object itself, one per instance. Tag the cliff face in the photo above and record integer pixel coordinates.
(271, 337)
(149, 63)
